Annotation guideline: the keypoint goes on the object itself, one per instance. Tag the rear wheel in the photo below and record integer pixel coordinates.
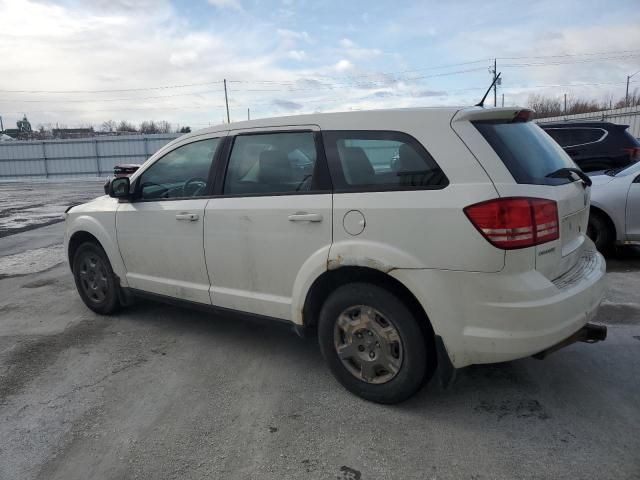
(95, 280)
(373, 344)
(599, 230)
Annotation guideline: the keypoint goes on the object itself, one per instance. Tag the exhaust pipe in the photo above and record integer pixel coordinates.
(589, 333)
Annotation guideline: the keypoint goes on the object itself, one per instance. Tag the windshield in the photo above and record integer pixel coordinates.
(527, 151)
(630, 170)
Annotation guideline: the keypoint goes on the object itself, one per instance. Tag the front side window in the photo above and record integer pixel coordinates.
(379, 160)
(271, 163)
(181, 173)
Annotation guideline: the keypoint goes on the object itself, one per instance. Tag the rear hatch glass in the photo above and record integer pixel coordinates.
(526, 150)
(531, 155)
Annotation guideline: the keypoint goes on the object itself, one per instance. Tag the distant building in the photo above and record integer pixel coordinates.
(24, 126)
(73, 132)
(23, 132)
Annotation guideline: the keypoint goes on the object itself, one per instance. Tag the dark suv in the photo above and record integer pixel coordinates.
(595, 145)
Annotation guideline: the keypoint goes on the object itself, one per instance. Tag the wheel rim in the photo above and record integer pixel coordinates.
(93, 278)
(368, 344)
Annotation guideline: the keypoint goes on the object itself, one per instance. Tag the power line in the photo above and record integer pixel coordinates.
(612, 55)
(572, 55)
(114, 90)
(571, 62)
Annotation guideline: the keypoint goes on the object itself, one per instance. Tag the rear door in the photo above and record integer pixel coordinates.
(518, 156)
(273, 216)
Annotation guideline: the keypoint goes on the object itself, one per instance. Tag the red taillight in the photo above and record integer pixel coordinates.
(634, 153)
(516, 222)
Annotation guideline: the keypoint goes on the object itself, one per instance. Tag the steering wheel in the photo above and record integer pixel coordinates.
(161, 193)
(199, 184)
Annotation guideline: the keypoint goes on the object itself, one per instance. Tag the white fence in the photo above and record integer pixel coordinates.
(622, 116)
(84, 157)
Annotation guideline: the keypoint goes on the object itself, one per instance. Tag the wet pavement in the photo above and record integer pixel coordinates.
(160, 392)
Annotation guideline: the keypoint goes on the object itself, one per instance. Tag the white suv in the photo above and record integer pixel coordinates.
(409, 239)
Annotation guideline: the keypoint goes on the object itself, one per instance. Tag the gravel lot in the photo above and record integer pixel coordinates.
(159, 392)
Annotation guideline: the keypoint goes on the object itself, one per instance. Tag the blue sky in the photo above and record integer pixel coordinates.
(82, 62)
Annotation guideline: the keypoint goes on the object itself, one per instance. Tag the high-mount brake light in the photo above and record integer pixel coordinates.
(523, 116)
(516, 222)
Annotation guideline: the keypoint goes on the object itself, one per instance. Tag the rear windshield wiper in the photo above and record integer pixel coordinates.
(567, 173)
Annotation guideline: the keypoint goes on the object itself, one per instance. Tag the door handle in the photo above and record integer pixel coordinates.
(188, 217)
(305, 217)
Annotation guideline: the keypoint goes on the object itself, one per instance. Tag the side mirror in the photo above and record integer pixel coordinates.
(119, 187)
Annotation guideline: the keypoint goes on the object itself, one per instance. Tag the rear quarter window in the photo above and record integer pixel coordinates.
(380, 161)
(527, 151)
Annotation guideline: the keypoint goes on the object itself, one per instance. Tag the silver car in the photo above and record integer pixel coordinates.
(615, 207)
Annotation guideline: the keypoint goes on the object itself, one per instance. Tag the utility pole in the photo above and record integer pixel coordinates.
(248, 115)
(1, 125)
(503, 99)
(626, 97)
(565, 103)
(226, 100)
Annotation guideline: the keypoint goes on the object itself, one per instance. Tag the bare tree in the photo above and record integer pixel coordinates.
(163, 126)
(148, 126)
(109, 126)
(125, 126)
(554, 107)
(545, 106)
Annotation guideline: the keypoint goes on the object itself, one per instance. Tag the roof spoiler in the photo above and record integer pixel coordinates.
(511, 114)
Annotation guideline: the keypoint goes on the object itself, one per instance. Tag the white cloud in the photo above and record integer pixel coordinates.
(297, 54)
(351, 49)
(231, 4)
(291, 37)
(343, 65)
(347, 43)
(182, 59)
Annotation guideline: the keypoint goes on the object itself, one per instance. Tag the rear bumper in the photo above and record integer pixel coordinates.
(496, 317)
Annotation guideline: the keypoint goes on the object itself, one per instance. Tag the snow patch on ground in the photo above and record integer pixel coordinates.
(31, 261)
(24, 206)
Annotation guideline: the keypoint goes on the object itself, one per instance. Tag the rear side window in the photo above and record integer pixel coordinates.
(379, 160)
(271, 163)
(527, 152)
(568, 137)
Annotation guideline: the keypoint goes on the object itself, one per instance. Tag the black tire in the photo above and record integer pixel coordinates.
(417, 363)
(600, 232)
(96, 283)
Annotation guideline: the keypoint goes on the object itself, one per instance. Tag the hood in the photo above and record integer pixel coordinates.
(600, 178)
(103, 203)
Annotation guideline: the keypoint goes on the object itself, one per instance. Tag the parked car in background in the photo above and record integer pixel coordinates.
(615, 207)
(407, 239)
(595, 145)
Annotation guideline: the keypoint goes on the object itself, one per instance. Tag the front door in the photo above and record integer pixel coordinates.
(274, 215)
(160, 232)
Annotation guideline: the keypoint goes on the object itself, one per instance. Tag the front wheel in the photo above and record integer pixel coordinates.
(95, 280)
(373, 344)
